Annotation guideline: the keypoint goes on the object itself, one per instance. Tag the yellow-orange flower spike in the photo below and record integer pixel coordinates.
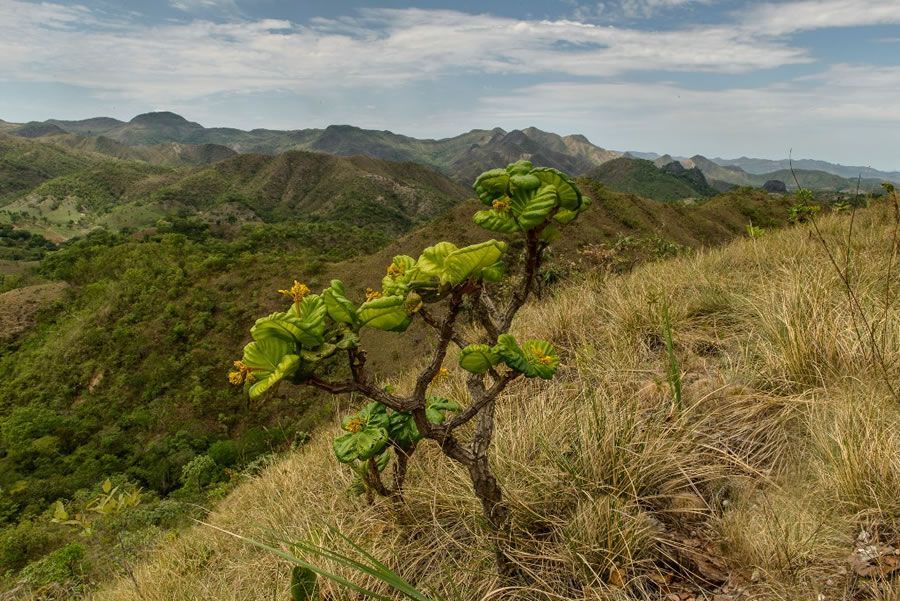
(372, 294)
(442, 374)
(501, 205)
(394, 270)
(354, 425)
(236, 377)
(296, 292)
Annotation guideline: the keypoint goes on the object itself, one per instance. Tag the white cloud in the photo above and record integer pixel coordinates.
(803, 15)
(615, 9)
(842, 114)
(226, 7)
(180, 61)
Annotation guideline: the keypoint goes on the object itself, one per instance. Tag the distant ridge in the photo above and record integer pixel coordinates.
(459, 157)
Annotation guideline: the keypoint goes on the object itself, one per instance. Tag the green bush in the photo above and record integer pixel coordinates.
(318, 334)
(62, 566)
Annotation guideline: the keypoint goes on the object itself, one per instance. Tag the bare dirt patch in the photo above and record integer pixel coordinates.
(18, 307)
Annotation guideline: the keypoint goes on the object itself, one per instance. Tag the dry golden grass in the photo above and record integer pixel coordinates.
(784, 457)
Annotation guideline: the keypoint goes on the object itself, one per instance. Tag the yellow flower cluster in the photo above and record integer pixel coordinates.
(354, 425)
(442, 374)
(296, 292)
(544, 359)
(241, 374)
(501, 205)
(395, 270)
(372, 294)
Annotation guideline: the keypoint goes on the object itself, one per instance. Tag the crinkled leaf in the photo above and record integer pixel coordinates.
(345, 448)
(470, 260)
(569, 196)
(265, 355)
(373, 414)
(306, 327)
(531, 210)
(477, 358)
(550, 234)
(519, 167)
(496, 221)
(534, 359)
(491, 185)
(339, 307)
(404, 268)
(565, 216)
(523, 184)
(431, 262)
(494, 273)
(403, 430)
(387, 313)
(361, 445)
(436, 409)
(263, 381)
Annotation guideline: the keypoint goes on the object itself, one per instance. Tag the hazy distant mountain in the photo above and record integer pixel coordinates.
(760, 166)
(460, 157)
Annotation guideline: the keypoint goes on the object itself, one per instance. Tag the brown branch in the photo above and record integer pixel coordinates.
(486, 397)
(432, 321)
(533, 250)
(444, 335)
(373, 478)
(332, 387)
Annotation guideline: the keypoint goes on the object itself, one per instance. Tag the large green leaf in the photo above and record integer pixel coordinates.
(436, 409)
(534, 359)
(569, 196)
(491, 185)
(496, 221)
(494, 273)
(265, 355)
(400, 272)
(386, 313)
(432, 260)
(265, 373)
(470, 260)
(289, 328)
(519, 167)
(523, 185)
(403, 430)
(367, 434)
(477, 358)
(339, 307)
(532, 209)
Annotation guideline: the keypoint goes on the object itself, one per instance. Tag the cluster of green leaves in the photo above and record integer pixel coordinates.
(522, 198)
(293, 343)
(374, 430)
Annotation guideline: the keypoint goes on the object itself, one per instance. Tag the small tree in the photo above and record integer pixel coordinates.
(443, 284)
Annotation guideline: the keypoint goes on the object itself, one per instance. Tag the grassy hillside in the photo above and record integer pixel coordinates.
(25, 164)
(643, 178)
(140, 341)
(61, 193)
(780, 465)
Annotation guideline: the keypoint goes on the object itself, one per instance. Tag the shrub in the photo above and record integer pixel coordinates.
(303, 343)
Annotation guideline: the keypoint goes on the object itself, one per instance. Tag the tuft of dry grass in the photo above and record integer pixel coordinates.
(783, 456)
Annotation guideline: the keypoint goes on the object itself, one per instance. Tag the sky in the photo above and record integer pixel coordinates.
(818, 78)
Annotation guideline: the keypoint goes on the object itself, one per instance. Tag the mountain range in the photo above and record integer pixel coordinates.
(458, 157)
